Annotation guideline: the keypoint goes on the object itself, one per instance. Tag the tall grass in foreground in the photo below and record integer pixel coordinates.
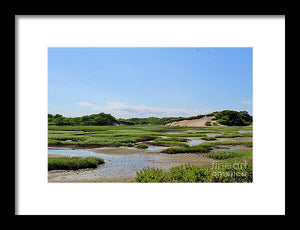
(73, 163)
(231, 166)
(191, 174)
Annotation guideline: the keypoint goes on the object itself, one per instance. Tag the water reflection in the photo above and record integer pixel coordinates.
(195, 142)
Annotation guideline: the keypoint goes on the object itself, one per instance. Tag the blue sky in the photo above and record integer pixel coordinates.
(144, 82)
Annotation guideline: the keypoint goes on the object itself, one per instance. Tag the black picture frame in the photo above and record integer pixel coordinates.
(11, 38)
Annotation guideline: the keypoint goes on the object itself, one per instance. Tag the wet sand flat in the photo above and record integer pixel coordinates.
(55, 155)
(167, 161)
(83, 176)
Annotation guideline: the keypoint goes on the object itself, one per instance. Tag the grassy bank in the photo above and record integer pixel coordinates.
(218, 143)
(232, 135)
(171, 141)
(192, 149)
(223, 155)
(208, 138)
(204, 147)
(194, 174)
(73, 163)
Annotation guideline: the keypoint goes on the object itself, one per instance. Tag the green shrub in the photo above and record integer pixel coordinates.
(191, 174)
(187, 173)
(233, 118)
(208, 123)
(151, 175)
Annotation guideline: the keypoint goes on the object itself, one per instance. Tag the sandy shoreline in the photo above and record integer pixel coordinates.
(124, 150)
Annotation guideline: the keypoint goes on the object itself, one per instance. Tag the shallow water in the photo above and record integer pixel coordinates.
(212, 135)
(152, 147)
(244, 131)
(73, 152)
(196, 142)
(115, 165)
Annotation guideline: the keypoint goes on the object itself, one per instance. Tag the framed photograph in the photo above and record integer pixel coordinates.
(126, 114)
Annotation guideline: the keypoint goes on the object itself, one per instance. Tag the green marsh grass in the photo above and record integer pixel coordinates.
(208, 138)
(142, 146)
(171, 141)
(232, 135)
(231, 167)
(115, 136)
(203, 147)
(191, 149)
(195, 174)
(217, 143)
(73, 163)
(222, 155)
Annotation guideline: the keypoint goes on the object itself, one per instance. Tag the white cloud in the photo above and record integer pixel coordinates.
(123, 110)
(84, 103)
(247, 102)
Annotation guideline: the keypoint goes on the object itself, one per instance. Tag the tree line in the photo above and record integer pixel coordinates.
(225, 117)
(99, 119)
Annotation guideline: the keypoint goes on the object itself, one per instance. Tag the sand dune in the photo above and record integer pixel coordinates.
(193, 123)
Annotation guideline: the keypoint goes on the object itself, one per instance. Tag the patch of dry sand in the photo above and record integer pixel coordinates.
(193, 123)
